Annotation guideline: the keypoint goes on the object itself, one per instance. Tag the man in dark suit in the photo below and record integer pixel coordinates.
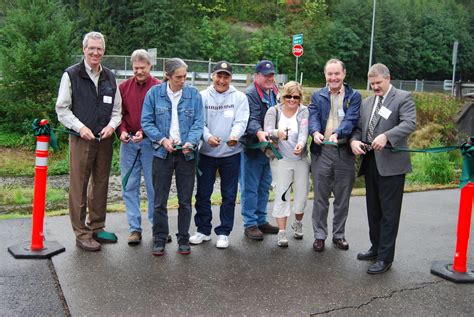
(386, 120)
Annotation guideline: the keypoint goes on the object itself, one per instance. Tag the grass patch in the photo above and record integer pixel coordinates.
(15, 162)
(20, 160)
(24, 195)
(119, 207)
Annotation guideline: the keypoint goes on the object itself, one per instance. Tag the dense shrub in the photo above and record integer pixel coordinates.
(436, 168)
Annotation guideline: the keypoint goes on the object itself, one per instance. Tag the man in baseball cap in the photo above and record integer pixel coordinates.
(222, 67)
(255, 174)
(265, 68)
(226, 113)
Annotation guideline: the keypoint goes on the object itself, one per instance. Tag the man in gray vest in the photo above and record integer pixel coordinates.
(89, 105)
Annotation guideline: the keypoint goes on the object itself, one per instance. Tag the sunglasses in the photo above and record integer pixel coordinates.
(292, 97)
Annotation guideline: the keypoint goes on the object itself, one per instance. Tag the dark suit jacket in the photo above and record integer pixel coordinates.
(397, 127)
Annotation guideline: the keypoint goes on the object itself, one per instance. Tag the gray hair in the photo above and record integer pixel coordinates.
(93, 35)
(172, 64)
(140, 56)
(335, 61)
(379, 69)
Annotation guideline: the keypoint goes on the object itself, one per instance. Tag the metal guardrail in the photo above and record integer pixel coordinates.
(200, 78)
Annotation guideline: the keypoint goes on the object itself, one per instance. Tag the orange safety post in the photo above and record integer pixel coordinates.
(39, 198)
(39, 248)
(464, 228)
(459, 272)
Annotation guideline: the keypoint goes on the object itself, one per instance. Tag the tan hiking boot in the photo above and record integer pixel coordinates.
(135, 238)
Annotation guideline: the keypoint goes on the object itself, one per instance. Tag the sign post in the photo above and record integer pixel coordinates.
(297, 50)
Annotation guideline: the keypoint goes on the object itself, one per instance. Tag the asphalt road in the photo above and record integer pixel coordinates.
(247, 279)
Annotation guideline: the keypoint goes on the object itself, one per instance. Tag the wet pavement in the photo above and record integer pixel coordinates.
(249, 278)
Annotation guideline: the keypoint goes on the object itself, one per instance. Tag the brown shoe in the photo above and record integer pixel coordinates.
(341, 243)
(88, 244)
(268, 228)
(318, 245)
(253, 233)
(134, 238)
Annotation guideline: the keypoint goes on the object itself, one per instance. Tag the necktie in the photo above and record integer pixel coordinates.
(373, 121)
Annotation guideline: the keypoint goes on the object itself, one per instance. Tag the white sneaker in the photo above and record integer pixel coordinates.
(297, 229)
(222, 241)
(198, 238)
(282, 239)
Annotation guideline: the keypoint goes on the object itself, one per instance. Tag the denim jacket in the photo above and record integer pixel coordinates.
(156, 117)
(321, 106)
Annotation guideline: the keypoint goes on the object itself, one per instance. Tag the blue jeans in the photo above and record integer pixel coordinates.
(131, 193)
(162, 175)
(255, 181)
(228, 168)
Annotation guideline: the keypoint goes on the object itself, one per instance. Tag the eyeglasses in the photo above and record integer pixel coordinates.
(292, 97)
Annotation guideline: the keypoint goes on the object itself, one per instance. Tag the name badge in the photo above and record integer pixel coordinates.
(384, 112)
(341, 113)
(228, 114)
(107, 99)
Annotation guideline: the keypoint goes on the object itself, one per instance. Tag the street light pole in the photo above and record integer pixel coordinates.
(371, 41)
(455, 60)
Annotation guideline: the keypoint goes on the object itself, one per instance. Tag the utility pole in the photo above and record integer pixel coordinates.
(372, 41)
(455, 61)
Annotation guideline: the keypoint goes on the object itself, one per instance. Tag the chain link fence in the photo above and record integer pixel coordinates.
(422, 85)
(199, 71)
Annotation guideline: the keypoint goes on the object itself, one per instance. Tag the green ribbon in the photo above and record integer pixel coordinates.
(467, 175)
(439, 149)
(191, 147)
(40, 129)
(71, 132)
(330, 143)
(333, 144)
(265, 145)
(127, 175)
(181, 147)
(467, 151)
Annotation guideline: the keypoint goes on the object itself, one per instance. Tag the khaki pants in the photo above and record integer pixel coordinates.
(88, 160)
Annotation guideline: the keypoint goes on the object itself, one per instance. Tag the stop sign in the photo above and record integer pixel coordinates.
(297, 50)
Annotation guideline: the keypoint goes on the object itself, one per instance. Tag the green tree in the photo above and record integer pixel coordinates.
(393, 40)
(272, 43)
(412, 37)
(34, 51)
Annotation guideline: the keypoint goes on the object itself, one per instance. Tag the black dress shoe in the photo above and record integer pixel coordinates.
(367, 256)
(341, 243)
(379, 267)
